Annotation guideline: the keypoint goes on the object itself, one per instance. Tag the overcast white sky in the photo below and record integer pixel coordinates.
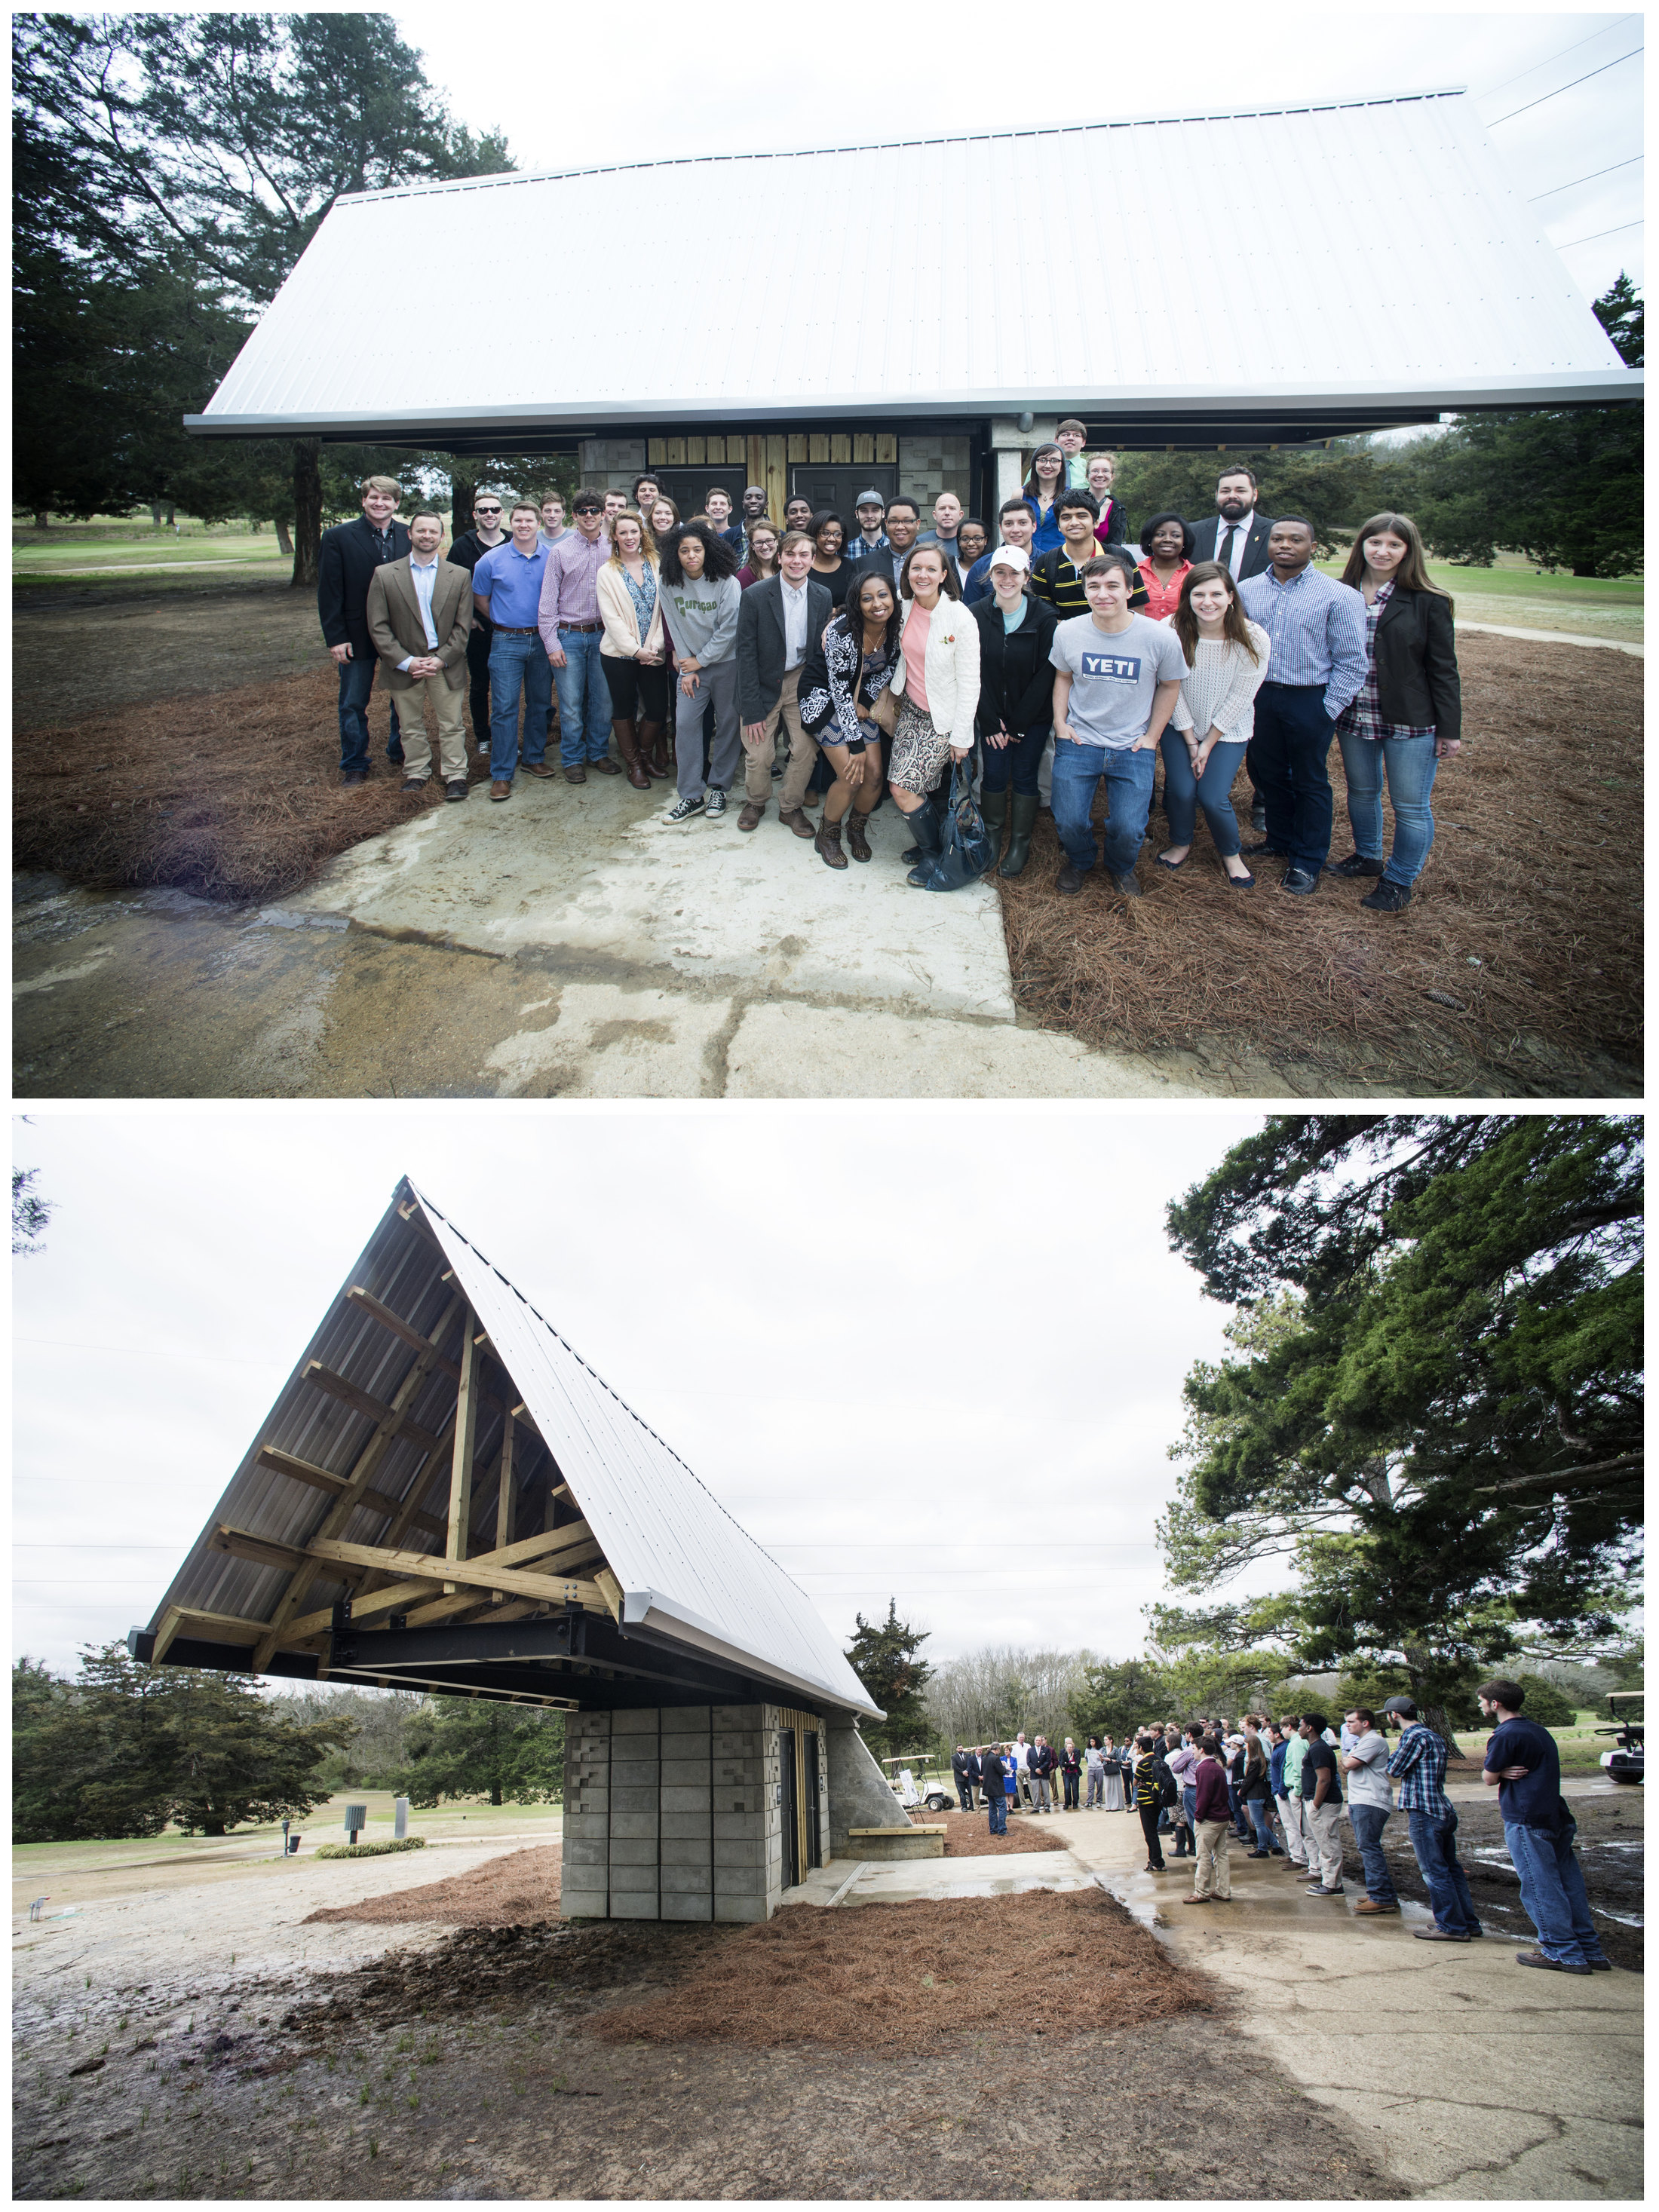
(572, 87)
(957, 1387)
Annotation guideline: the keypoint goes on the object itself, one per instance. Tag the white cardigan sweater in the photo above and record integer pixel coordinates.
(621, 640)
(950, 667)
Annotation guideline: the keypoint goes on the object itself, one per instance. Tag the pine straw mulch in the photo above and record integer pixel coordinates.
(967, 1835)
(903, 1978)
(1526, 923)
(231, 795)
(517, 1890)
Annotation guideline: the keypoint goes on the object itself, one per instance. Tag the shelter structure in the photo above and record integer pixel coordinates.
(446, 1498)
(916, 316)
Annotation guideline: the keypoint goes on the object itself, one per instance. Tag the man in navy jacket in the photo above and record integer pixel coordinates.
(347, 558)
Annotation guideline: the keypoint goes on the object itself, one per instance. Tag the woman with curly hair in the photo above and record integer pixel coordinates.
(1166, 558)
(846, 672)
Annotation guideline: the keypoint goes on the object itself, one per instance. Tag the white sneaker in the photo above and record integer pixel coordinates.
(713, 802)
(683, 809)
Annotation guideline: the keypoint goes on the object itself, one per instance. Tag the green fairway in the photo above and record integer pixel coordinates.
(83, 555)
(1513, 595)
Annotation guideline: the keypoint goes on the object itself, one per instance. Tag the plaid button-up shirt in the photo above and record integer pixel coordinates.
(1363, 716)
(1419, 1767)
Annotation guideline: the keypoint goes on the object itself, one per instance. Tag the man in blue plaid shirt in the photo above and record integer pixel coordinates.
(1419, 1767)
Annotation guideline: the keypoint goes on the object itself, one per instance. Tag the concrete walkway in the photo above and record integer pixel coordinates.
(1556, 637)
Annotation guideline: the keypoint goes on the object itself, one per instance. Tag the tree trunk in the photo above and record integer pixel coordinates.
(462, 493)
(308, 512)
(43, 521)
(155, 514)
(495, 1793)
(1434, 1717)
(1587, 569)
(284, 542)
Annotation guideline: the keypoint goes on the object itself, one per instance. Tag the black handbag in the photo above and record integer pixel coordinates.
(965, 848)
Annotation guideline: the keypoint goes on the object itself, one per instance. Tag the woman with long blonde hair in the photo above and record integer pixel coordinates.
(632, 651)
(1213, 716)
(1408, 715)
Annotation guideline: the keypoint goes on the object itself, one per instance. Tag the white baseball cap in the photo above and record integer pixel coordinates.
(1008, 557)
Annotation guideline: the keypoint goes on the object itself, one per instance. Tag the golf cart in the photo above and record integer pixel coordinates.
(912, 1781)
(1623, 1762)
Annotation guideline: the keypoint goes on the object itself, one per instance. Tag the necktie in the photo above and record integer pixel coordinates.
(1225, 555)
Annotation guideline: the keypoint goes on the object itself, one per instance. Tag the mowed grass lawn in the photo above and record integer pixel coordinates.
(1512, 594)
(79, 554)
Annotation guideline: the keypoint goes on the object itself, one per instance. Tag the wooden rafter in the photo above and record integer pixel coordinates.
(466, 1431)
(321, 1477)
(570, 1548)
(346, 1503)
(393, 1419)
(560, 1590)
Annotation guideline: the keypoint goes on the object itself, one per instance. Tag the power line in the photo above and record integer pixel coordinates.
(1606, 31)
(1560, 88)
(1594, 173)
(1617, 227)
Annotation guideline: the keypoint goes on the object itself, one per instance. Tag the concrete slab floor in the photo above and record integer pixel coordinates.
(1467, 2075)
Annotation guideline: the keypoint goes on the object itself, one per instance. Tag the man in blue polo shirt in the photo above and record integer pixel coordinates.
(1523, 1766)
(506, 586)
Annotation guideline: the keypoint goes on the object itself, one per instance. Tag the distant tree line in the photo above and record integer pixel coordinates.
(125, 1749)
(1562, 485)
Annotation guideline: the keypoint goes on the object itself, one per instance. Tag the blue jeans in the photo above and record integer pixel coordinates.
(998, 1809)
(1077, 773)
(1288, 752)
(1368, 1822)
(584, 699)
(1182, 795)
(516, 662)
(356, 681)
(1017, 761)
(1553, 1892)
(1435, 1842)
(1257, 1810)
(1409, 765)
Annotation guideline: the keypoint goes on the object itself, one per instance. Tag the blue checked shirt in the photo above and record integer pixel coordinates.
(1317, 631)
(1419, 1767)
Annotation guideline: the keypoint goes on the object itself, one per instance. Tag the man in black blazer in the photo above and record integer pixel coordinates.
(778, 619)
(347, 558)
(903, 523)
(1236, 534)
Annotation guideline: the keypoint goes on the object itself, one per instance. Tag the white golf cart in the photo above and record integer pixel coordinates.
(914, 1780)
(1623, 1763)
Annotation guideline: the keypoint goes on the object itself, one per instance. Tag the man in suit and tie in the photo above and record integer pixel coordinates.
(1236, 535)
(420, 614)
(778, 619)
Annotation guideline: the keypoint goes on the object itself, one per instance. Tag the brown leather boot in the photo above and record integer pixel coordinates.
(653, 757)
(827, 844)
(628, 747)
(857, 844)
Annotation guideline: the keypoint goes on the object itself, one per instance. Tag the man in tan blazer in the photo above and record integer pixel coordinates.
(420, 612)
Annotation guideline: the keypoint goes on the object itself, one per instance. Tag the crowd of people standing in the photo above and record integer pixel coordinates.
(856, 665)
(1279, 1788)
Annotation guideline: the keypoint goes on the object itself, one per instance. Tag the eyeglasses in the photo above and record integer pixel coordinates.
(486, 510)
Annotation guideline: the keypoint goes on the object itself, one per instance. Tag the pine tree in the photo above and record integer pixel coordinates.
(884, 1658)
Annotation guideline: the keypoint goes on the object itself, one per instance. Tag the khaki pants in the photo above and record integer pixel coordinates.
(1321, 1825)
(1211, 1876)
(452, 728)
(760, 753)
(1290, 1819)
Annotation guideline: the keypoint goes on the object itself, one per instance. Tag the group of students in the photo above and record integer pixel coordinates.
(1279, 1788)
(859, 666)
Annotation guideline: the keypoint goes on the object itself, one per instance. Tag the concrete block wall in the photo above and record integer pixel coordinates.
(928, 467)
(747, 1817)
(686, 1883)
(607, 461)
(586, 1887)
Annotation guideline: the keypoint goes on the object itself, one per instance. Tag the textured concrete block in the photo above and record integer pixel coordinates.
(735, 1717)
(634, 1824)
(685, 1801)
(586, 1823)
(735, 1743)
(685, 1720)
(632, 1851)
(683, 1878)
(685, 1851)
(749, 1906)
(634, 1800)
(581, 1724)
(744, 1825)
(641, 1720)
(750, 1803)
(628, 1907)
(633, 1879)
(685, 1908)
(687, 1824)
(630, 1751)
(585, 1903)
(739, 1852)
(586, 1851)
(680, 1772)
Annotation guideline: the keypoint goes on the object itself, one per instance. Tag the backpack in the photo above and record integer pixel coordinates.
(1169, 1788)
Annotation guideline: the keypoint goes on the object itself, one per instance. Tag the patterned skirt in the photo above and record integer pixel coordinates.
(919, 752)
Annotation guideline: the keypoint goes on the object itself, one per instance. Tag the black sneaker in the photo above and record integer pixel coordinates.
(1388, 898)
(1357, 864)
(714, 804)
(683, 809)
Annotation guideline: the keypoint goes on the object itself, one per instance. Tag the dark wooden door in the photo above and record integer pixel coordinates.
(814, 1835)
(838, 488)
(791, 1809)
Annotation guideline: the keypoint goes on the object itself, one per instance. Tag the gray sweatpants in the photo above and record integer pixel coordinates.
(718, 682)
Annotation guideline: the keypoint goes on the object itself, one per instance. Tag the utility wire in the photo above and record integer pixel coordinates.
(1560, 88)
(1606, 31)
(1594, 173)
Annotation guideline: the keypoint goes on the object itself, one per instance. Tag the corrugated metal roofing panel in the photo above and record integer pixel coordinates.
(1342, 253)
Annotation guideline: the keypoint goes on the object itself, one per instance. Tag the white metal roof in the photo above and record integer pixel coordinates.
(1366, 253)
(686, 1567)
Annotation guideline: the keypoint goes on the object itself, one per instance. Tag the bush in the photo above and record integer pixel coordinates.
(1545, 1704)
(370, 1851)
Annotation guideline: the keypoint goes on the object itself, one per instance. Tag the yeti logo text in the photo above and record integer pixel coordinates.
(1123, 668)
